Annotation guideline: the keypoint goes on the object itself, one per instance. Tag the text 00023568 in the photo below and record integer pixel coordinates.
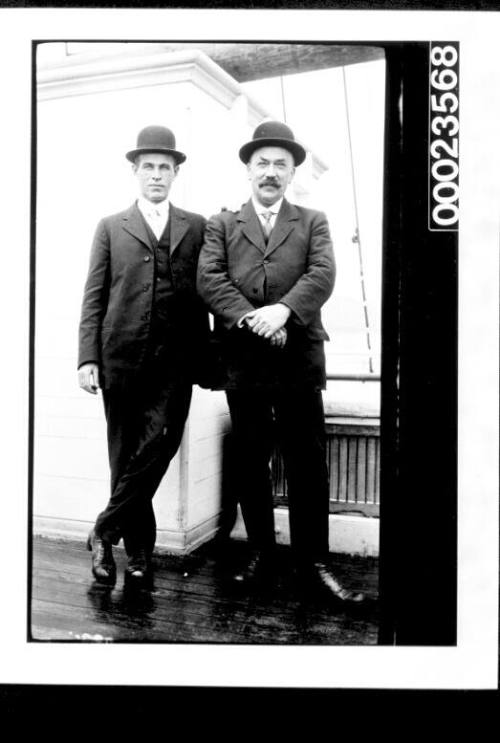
(443, 136)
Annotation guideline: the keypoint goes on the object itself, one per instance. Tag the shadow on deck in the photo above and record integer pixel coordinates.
(191, 602)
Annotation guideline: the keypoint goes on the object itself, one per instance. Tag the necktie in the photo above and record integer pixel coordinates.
(266, 216)
(155, 222)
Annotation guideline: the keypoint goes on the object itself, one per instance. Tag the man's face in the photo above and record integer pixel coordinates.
(155, 173)
(270, 171)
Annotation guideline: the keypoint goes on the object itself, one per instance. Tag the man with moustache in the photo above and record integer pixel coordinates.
(264, 272)
(143, 331)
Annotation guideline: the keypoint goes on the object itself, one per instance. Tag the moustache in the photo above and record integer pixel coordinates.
(270, 182)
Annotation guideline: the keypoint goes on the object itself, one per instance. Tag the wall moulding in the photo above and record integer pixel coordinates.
(103, 74)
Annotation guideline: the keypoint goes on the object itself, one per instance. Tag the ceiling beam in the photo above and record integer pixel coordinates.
(245, 62)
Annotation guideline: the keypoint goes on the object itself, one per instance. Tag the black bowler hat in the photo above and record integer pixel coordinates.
(273, 134)
(156, 139)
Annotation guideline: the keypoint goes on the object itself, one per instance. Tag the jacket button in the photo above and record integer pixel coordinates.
(147, 258)
(145, 287)
(255, 291)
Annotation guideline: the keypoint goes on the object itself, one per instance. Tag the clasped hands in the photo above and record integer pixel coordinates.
(269, 322)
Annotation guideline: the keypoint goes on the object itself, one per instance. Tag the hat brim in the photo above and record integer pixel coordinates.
(179, 157)
(297, 151)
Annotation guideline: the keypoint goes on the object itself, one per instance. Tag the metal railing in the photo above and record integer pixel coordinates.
(353, 377)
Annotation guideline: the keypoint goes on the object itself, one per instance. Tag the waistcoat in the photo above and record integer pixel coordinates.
(163, 345)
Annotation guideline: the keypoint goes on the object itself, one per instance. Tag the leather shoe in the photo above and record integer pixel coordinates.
(138, 566)
(103, 564)
(320, 578)
(259, 569)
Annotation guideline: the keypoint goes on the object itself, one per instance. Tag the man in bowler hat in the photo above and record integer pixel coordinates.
(264, 272)
(142, 334)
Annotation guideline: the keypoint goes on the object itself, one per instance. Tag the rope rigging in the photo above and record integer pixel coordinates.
(357, 237)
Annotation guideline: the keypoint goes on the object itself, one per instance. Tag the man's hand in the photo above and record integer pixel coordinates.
(88, 378)
(279, 338)
(265, 321)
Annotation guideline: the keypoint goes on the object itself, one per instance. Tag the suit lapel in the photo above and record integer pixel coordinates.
(134, 224)
(287, 216)
(179, 225)
(250, 226)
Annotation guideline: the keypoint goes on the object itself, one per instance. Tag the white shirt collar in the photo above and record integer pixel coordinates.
(146, 207)
(274, 208)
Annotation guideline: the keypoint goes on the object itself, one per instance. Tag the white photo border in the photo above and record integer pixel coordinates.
(472, 664)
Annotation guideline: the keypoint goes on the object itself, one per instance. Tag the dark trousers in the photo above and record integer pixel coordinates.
(145, 423)
(293, 418)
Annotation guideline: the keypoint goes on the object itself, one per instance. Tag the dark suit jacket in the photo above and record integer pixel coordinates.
(116, 316)
(237, 272)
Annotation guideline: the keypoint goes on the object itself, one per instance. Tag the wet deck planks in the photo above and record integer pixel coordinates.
(190, 602)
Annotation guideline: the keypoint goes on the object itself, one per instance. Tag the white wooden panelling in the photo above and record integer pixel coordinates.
(57, 427)
(72, 407)
(206, 468)
(70, 457)
(205, 447)
(69, 497)
(209, 421)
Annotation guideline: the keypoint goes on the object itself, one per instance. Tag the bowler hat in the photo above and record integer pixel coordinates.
(156, 139)
(273, 134)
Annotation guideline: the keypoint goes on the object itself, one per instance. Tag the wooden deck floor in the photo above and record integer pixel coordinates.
(190, 602)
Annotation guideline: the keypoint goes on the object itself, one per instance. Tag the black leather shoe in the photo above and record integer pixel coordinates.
(319, 578)
(259, 569)
(103, 564)
(139, 565)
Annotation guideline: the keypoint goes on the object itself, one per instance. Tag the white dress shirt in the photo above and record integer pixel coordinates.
(156, 215)
(261, 209)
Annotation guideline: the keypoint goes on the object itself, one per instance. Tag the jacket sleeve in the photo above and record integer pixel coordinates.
(214, 284)
(95, 298)
(315, 286)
